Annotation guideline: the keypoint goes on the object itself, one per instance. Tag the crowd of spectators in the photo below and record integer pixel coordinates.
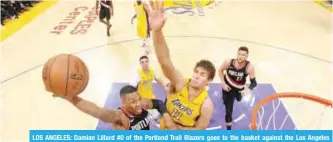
(11, 9)
(328, 3)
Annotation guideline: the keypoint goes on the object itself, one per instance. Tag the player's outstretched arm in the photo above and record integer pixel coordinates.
(106, 115)
(160, 80)
(156, 21)
(206, 114)
(163, 56)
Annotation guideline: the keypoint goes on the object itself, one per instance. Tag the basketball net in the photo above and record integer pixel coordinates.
(310, 112)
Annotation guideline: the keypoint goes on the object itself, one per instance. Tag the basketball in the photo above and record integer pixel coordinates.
(65, 75)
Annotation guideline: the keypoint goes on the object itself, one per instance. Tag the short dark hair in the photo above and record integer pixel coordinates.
(138, 2)
(207, 65)
(143, 57)
(243, 48)
(128, 89)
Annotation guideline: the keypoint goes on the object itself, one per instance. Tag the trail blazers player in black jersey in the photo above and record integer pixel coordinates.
(234, 79)
(132, 115)
(105, 12)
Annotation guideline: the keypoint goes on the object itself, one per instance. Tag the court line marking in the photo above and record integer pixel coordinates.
(181, 36)
(214, 128)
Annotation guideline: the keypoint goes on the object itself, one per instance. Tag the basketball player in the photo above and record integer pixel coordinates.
(188, 102)
(106, 11)
(143, 28)
(132, 115)
(234, 79)
(144, 79)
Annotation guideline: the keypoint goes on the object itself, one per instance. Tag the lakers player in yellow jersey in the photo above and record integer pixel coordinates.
(143, 28)
(144, 78)
(188, 102)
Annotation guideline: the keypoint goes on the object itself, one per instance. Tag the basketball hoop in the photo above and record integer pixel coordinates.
(271, 98)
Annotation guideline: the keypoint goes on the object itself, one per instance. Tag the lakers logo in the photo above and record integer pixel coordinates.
(190, 7)
(77, 76)
(182, 107)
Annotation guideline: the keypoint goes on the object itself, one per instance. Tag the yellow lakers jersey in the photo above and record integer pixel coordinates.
(145, 87)
(142, 21)
(182, 110)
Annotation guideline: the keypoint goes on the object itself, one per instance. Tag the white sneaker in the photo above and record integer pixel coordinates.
(145, 52)
(146, 49)
(143, 44)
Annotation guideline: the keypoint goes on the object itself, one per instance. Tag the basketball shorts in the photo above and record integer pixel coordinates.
(232, 94)
(104, 13)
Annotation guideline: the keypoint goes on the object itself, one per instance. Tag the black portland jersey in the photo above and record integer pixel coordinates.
(236, 77)
(140, 122)
(105, 3)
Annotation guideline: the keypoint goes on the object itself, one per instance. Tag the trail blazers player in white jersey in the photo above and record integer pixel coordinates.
(234, 79)
(132, 115)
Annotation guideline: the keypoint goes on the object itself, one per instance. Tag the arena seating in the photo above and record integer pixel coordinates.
(13, 8)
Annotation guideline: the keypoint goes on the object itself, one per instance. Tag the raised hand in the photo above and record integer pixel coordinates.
(156, 15)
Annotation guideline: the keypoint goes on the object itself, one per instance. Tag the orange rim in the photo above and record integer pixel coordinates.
(285, 95)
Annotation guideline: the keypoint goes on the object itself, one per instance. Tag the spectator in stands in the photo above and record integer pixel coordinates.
(328, 3)
(12, 9)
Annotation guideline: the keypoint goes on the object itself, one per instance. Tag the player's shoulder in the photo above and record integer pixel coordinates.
(208, 103)
(248, 63)
(119, 111)
(249, 66)
(227, 62)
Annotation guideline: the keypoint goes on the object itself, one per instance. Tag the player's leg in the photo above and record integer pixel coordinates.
(238, 95)
(142, 30)
(228, 100)
(102, 15)
(142, 33)
(105, 14)
(147, 35)
(108, 17)
(145, 46)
